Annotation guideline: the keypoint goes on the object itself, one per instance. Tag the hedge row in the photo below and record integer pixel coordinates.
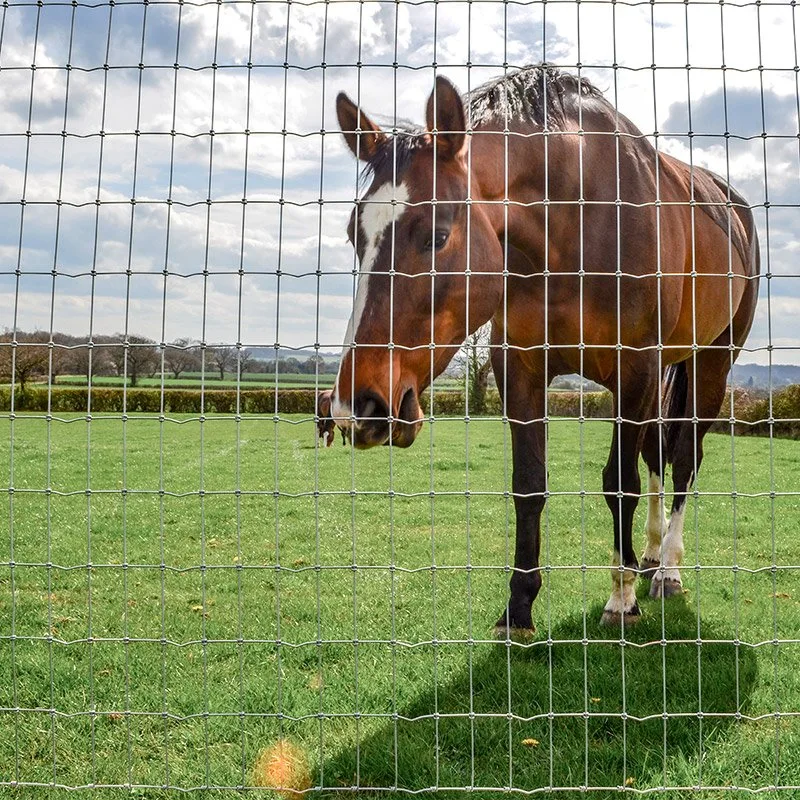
(172, 401)
(260, 401)
(752, 415)
(559, 404)
(751, 409)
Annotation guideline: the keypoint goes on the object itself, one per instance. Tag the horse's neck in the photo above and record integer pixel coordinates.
(513, 175)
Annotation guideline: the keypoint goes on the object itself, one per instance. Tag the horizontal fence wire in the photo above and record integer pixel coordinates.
(216, 310)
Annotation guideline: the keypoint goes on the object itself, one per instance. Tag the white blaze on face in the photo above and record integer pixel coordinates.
(375, 218)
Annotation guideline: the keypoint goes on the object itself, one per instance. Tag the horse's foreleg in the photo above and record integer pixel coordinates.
(686, 461)
(529, 483)
(525, 407)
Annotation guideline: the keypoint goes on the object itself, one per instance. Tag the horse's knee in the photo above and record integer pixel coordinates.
(610, 477)
(531, 504)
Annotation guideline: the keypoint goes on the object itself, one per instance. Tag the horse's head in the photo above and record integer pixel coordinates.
(430, 268)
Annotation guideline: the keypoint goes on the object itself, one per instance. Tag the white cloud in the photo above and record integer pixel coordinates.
(301, 166)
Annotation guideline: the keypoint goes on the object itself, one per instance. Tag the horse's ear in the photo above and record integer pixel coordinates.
(362, 135)
(445, 112)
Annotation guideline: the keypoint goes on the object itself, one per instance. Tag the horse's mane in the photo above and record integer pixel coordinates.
(548, 97)
(540, 93)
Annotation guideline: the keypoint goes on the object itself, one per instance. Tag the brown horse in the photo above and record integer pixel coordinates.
(326, 425)
(534, 204)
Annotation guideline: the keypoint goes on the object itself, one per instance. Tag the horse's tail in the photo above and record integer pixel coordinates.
(676, 391)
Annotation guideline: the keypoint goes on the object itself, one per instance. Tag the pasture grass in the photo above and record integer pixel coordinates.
(225, 584)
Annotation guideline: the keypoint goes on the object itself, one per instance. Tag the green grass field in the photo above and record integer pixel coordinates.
(227, 584)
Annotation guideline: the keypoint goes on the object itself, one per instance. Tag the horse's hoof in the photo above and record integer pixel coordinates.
(517, 630)
(520, 635)
(615, 618)
(648, 568)
(665, 587)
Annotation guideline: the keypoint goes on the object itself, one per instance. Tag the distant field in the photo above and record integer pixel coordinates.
(249, 380)
(278, 603)
(210, 381)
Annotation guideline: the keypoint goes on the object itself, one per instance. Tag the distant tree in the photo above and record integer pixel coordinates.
(246, 361)
(87, 361)
(134, 356)
(224, 358)
(23, 356)
(180, 356)
(313, 365)
(60, 361)
(473, 365)
(290, 366)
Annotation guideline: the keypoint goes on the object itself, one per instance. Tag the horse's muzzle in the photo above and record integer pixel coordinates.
(374, 424)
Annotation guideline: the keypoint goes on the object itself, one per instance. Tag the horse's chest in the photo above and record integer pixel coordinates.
(568, 310)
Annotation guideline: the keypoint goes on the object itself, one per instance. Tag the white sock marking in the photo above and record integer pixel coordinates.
(656, 525)
(672, 546)
(672, 543)
(623, 589)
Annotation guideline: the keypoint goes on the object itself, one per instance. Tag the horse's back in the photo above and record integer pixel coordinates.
(720, 260)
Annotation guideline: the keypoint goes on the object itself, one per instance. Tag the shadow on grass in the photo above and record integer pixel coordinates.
(588, 688)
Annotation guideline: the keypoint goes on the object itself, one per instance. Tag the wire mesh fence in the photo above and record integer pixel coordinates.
(563, 278)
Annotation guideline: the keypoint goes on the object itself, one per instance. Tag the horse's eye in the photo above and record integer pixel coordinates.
(438, 241)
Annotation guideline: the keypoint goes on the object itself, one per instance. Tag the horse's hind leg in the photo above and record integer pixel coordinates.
(654, 453)
(622, 485)
(703, 383)
(705, 379)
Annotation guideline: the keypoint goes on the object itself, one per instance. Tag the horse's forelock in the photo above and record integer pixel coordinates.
(394, 155)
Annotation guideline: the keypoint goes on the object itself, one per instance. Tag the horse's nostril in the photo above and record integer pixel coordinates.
(369, 406)
(372, 420)
(409, 421)
(408, 406)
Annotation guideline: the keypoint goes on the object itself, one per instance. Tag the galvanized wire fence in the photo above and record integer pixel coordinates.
(195, 593)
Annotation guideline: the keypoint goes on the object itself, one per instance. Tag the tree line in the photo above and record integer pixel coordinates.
(38, 355)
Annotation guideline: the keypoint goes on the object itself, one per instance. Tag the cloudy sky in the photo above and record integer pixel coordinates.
(283, 271)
